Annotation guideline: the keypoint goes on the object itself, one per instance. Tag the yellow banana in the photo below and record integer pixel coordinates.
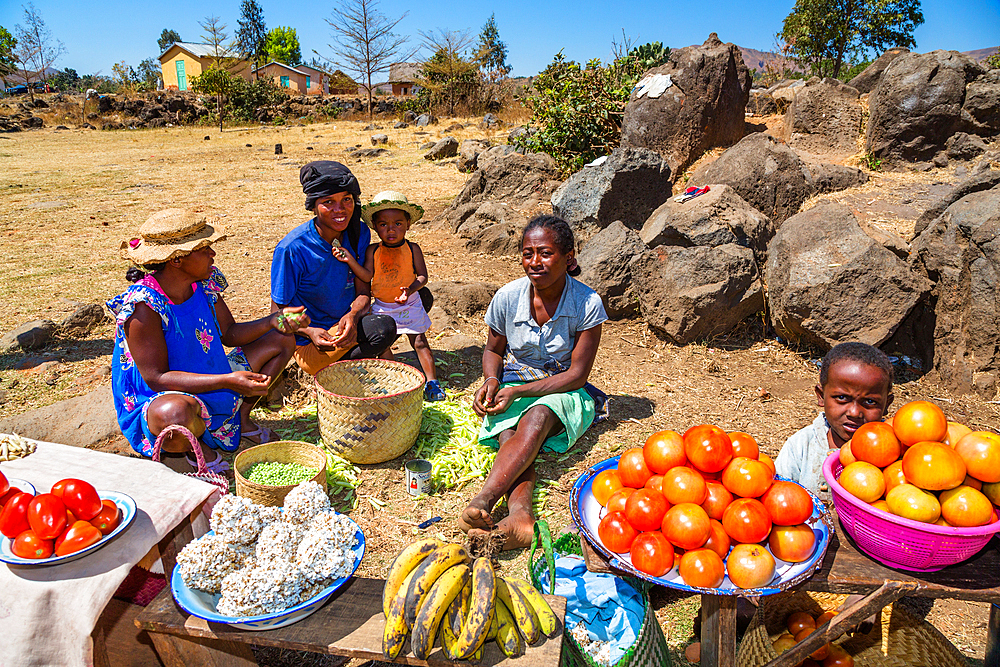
(481, 603)
(396, 628)
(448, 638)
(434, 607)
(547, 619)
(405, 562)
(427, 573)
(520, 609)
(491, 629)
(459, 608)
(508, 638)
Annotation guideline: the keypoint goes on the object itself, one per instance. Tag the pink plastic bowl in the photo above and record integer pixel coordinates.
(897, 542)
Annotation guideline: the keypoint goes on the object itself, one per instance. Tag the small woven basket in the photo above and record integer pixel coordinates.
(281, 451)
(369, 409)
(900, 640)
(898, 542)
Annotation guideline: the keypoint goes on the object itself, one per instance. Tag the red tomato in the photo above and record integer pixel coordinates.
(14, 516)
(632, 468)
(4, 484)
(78, 536)
(80, 498)
(744, 445)
(655, 482)
(918, 421)
(708, 447)
(718, 540)
(47, 516)
(787, 503)
(616, 503)
(746, 520)
(684, 485)
(645, 508)
(750, 566)
(616, 533)
(766, 460)
(798, 621)
(717, 500)
(664, 450)
(29, 545)
(981, 452)
(792, 544)
(687, 526)
(839, 657)
(747, 478)
(57, 488)
(820, 653)
(933, 466)
(875, 443)
(11, 492)
(108, 518)
(702, 568)
(605, 483)
(652, 553)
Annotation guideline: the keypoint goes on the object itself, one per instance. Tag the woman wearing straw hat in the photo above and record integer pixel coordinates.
(172, 327)
(304, 272)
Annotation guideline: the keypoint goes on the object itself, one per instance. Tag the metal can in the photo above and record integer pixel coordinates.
(418, 477)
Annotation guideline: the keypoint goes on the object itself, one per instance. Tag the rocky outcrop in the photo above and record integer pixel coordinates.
(607, 261)
(869, 77)
(824, 119)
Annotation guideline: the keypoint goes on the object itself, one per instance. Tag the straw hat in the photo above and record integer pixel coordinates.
(390, 199)
(170, 233)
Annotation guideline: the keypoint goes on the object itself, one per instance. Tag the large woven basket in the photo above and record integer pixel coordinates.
(899, 640)
(369, 409)
(281, 451)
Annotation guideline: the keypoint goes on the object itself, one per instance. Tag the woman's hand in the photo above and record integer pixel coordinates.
(484, 397)
(246, 383)
(290, 320)
(347, 331)
(321, 338)
(502, 400)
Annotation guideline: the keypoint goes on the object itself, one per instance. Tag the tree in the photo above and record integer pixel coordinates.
(493, 52)
(36, 49)
(167, 37)
(450, 74)
(66, 79)
(216, 81)
(149, 73)
(283, 46)
(824, 34)
(216, 37)
(251, 35)
(7, 64)
(364, 41)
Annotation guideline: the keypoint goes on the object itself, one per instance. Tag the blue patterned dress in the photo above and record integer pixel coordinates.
(194, 344)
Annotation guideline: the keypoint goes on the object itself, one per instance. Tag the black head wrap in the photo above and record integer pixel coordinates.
(325, 177)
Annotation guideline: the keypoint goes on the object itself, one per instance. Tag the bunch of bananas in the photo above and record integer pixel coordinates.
(435, 591)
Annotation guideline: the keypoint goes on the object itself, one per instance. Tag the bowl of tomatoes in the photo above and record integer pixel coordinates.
(70, 521)
(702, 512)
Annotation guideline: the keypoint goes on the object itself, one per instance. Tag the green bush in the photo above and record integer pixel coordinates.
(241, 98)
(577, 111)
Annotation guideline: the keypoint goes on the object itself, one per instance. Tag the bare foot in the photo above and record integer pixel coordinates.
(519, 529)
(476, 515)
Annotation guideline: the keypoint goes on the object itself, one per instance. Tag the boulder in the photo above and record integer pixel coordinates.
(409, 117)
(772, 177)
(463, 298)
(693, 293)
(369, 152)
(627, 186)
(607, 260)
(960, 252)
(427, 145)
(79, 422)
(828, 282)
(447, 147)
(982, 103)
(824, 119)
(501, 240)
(869, 77)
(380, 139)
(454, 127)
(489, 214)
(468, 154)
(151, 112)
(520, 133)
(491, 122)
(85, 317)
(984, 180)
(423, 120)
(718, 217)
(783, 93)
(917, 105)
(400, 125)
(693, 103)
(29, 336)
(963, 146)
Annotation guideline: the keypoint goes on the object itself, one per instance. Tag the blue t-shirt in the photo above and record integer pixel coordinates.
(304, 272)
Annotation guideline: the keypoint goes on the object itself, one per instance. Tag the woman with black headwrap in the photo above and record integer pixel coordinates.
(304, 272)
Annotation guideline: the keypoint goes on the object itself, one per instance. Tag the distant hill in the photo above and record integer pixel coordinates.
(759, 60)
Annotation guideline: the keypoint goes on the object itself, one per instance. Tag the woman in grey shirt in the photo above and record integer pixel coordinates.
(545, 329)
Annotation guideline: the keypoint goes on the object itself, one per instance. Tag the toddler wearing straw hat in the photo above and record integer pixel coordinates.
(398, 275)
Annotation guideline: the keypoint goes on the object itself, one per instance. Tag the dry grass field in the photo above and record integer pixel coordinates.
(68, 198)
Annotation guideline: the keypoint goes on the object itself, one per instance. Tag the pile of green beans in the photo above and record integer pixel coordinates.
(449, 439)
(272, 473)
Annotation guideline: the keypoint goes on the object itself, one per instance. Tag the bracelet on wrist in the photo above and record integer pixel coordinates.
(492, 377)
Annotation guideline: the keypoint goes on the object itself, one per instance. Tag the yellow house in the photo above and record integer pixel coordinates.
(292, 80)
(183, 61)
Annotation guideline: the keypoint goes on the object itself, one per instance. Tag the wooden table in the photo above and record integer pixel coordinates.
(350, 624)
(846, 570)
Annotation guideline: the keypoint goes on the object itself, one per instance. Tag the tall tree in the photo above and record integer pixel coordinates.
(36, 49)
(251, 35)
(283, 46)
(824, 34)
(493, 52)
(450, 73)
(167, 37)
(7, 64)
(216, 37)
(364, 42)
(149, 73)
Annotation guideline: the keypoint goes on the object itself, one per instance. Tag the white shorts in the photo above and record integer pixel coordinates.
(411, 318)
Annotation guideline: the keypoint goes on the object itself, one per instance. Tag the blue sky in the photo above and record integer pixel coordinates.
(97, 35)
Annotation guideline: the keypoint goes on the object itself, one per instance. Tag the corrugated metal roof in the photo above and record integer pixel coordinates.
(199, 50)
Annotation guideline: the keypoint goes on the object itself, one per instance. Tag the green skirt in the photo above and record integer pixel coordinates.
(575, 409)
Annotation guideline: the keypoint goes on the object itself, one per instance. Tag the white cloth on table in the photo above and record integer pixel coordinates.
(48, 613)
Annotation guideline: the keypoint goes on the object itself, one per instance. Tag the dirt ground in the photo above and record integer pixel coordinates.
(69, 197)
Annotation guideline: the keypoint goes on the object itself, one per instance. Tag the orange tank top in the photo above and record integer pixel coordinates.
(393, 269)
